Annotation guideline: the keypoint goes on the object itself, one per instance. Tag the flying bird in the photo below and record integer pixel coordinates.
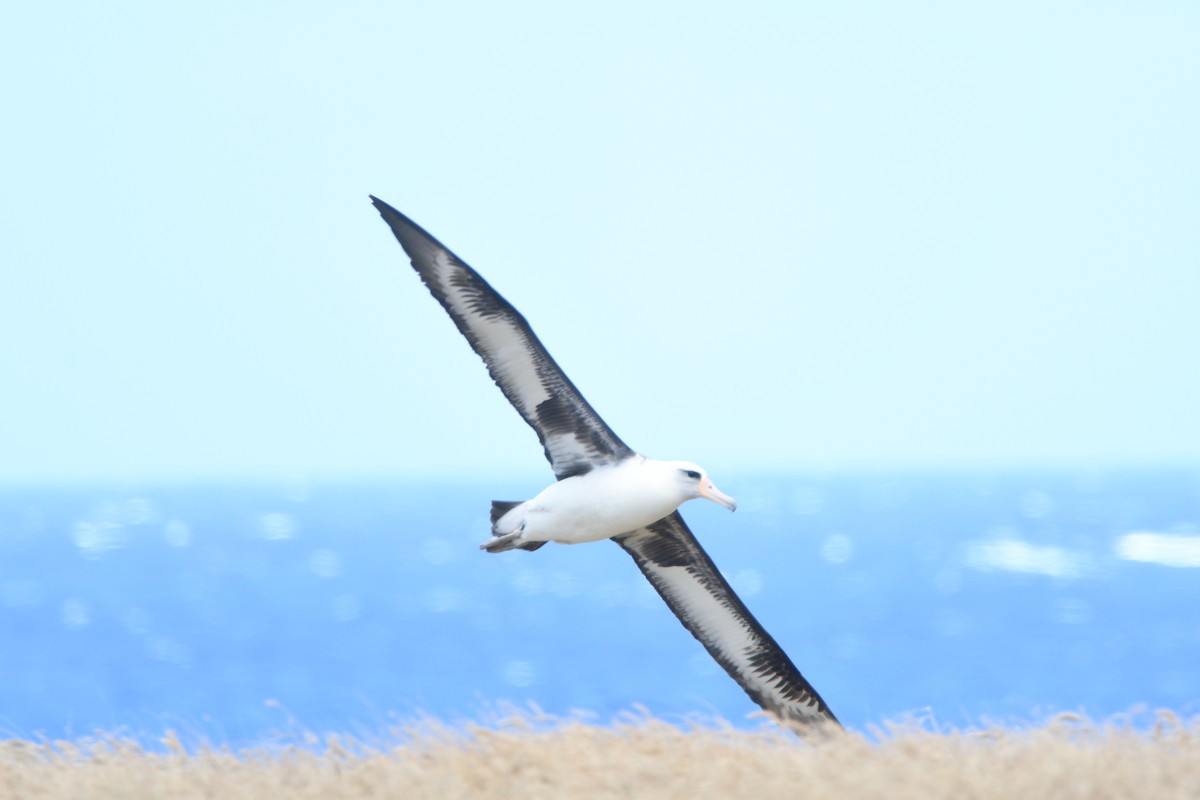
(605, 490)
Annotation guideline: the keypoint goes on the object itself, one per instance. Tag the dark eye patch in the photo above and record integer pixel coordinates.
(691, 473)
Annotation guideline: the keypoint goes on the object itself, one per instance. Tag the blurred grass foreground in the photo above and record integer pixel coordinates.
(530, 755)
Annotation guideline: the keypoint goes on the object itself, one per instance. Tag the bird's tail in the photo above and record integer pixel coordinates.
(500, 508)
(502, 539)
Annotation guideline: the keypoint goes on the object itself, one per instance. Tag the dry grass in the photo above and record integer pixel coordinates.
(532, 756)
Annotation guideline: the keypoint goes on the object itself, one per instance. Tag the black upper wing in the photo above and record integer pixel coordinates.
(677, 566)
(573, 435)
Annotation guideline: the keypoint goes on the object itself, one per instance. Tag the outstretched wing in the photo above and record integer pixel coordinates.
(573, 435)
(677, 566)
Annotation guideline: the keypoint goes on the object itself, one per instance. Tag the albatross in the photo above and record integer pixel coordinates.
(604, 489)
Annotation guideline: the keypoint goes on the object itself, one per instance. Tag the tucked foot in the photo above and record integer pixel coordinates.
(498, 544)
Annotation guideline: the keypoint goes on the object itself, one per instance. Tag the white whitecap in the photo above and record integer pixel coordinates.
(1168, 549)
(1016, 555)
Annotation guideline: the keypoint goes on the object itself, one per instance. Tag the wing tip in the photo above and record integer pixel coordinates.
(383, 208)
(408, 233)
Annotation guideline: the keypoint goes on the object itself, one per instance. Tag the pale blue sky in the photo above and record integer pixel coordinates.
(756, 235)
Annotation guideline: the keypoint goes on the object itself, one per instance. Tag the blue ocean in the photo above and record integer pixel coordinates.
(234, 612)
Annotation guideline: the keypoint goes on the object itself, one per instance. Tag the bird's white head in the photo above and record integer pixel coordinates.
(696, 483)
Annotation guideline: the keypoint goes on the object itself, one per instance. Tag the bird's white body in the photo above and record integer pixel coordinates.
(605, 502)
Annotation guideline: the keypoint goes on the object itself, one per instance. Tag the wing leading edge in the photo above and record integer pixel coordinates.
(679, 569)
(572, 434)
